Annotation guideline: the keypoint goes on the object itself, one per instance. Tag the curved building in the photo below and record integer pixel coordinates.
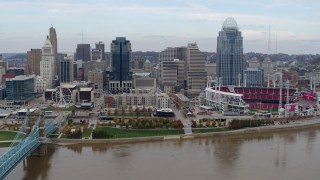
(230, 53)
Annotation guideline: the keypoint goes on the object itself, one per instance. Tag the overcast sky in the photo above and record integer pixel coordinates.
(152, 25)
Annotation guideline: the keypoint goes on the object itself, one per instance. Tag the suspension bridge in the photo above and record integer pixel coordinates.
(33, 140)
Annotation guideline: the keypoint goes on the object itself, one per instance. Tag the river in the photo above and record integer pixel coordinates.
(293, 155)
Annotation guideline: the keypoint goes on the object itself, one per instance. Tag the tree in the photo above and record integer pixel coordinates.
(115, 112)
(147, 125)
(123, 111)
(130, 110)
(109, 112)
(137, 111)
(149, 111)
(144, 110)
(70, 121)
(100, 134)
(153, 125)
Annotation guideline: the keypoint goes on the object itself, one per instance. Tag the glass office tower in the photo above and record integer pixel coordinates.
(230, 53)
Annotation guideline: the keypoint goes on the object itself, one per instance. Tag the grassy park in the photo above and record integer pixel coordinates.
(7, 135)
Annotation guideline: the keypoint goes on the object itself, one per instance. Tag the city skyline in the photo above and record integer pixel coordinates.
(153, 26)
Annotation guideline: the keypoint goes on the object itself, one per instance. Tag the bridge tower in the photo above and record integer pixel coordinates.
(42, 149)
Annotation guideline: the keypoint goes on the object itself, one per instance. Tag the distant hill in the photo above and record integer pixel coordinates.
(14, 56)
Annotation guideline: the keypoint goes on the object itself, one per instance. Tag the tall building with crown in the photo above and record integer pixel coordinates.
(230, 53)
(54, 43)
(47, 63)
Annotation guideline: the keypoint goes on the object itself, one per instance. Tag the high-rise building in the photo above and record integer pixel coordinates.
(171, 53)
(77, 68)
(100, 46)
(121, 75)
(195, 68)
(254, 63)
(3, 63)
(96, 76)
(47, 63)
(54, 43)
(172, 74)
(83, 52)
(254, 77)
(137, 64)
(96, 55)
(33, 62)
(20, 88)
(66, 69)
(92, 66)
(2, 72)
(229, 53)
(267, 66)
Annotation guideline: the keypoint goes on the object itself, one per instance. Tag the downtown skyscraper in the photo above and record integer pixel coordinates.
(47, 63)
(230, 53)
(121, 75)
(54, 43)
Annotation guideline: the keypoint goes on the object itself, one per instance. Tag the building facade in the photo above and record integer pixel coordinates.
(2, 72)
(47, 63)
(229, 53)
(97, 78)
(121, 75)
(96, 55)
(66, 69)
(196, 74)
(211, 70)
(172, 74)
(100, 46)
(20, 88)
(54, 43)
(33, 62)
(162, 100)
(267, 66)
(254, 77)
(83, 52)
(137, 64)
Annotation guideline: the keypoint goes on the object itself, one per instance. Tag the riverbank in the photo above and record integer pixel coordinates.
(297, 125)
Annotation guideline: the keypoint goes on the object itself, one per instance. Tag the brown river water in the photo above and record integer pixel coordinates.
(293, 155)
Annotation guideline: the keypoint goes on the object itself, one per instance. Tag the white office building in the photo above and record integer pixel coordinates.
(47, 63)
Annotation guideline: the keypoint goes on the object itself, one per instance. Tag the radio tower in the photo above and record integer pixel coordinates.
(269, 48)
(277, 42)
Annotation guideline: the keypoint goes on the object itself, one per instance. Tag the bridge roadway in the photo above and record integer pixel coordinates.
(14, 155)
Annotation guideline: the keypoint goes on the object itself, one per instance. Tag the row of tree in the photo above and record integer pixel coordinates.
(149, 124)
(144, 112)
(207, 123)
(238, 124)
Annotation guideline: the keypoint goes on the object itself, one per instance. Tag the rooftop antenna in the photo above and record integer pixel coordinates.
(269, 49)
(277, 42)
(82, 36)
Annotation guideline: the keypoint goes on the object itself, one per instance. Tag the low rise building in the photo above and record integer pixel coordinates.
(162, 100)
(181, 101)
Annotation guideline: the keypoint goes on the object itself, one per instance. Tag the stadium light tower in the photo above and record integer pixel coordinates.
(280, 99)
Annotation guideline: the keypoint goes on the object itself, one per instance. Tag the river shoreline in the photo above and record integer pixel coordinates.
(298, 125)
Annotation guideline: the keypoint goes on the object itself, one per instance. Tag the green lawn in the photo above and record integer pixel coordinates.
(7, 135)
(130, 133)
(87, 133)
(5, 144)
(196, 130)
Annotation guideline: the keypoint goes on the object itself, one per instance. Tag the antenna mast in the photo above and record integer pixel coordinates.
(269, 49)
